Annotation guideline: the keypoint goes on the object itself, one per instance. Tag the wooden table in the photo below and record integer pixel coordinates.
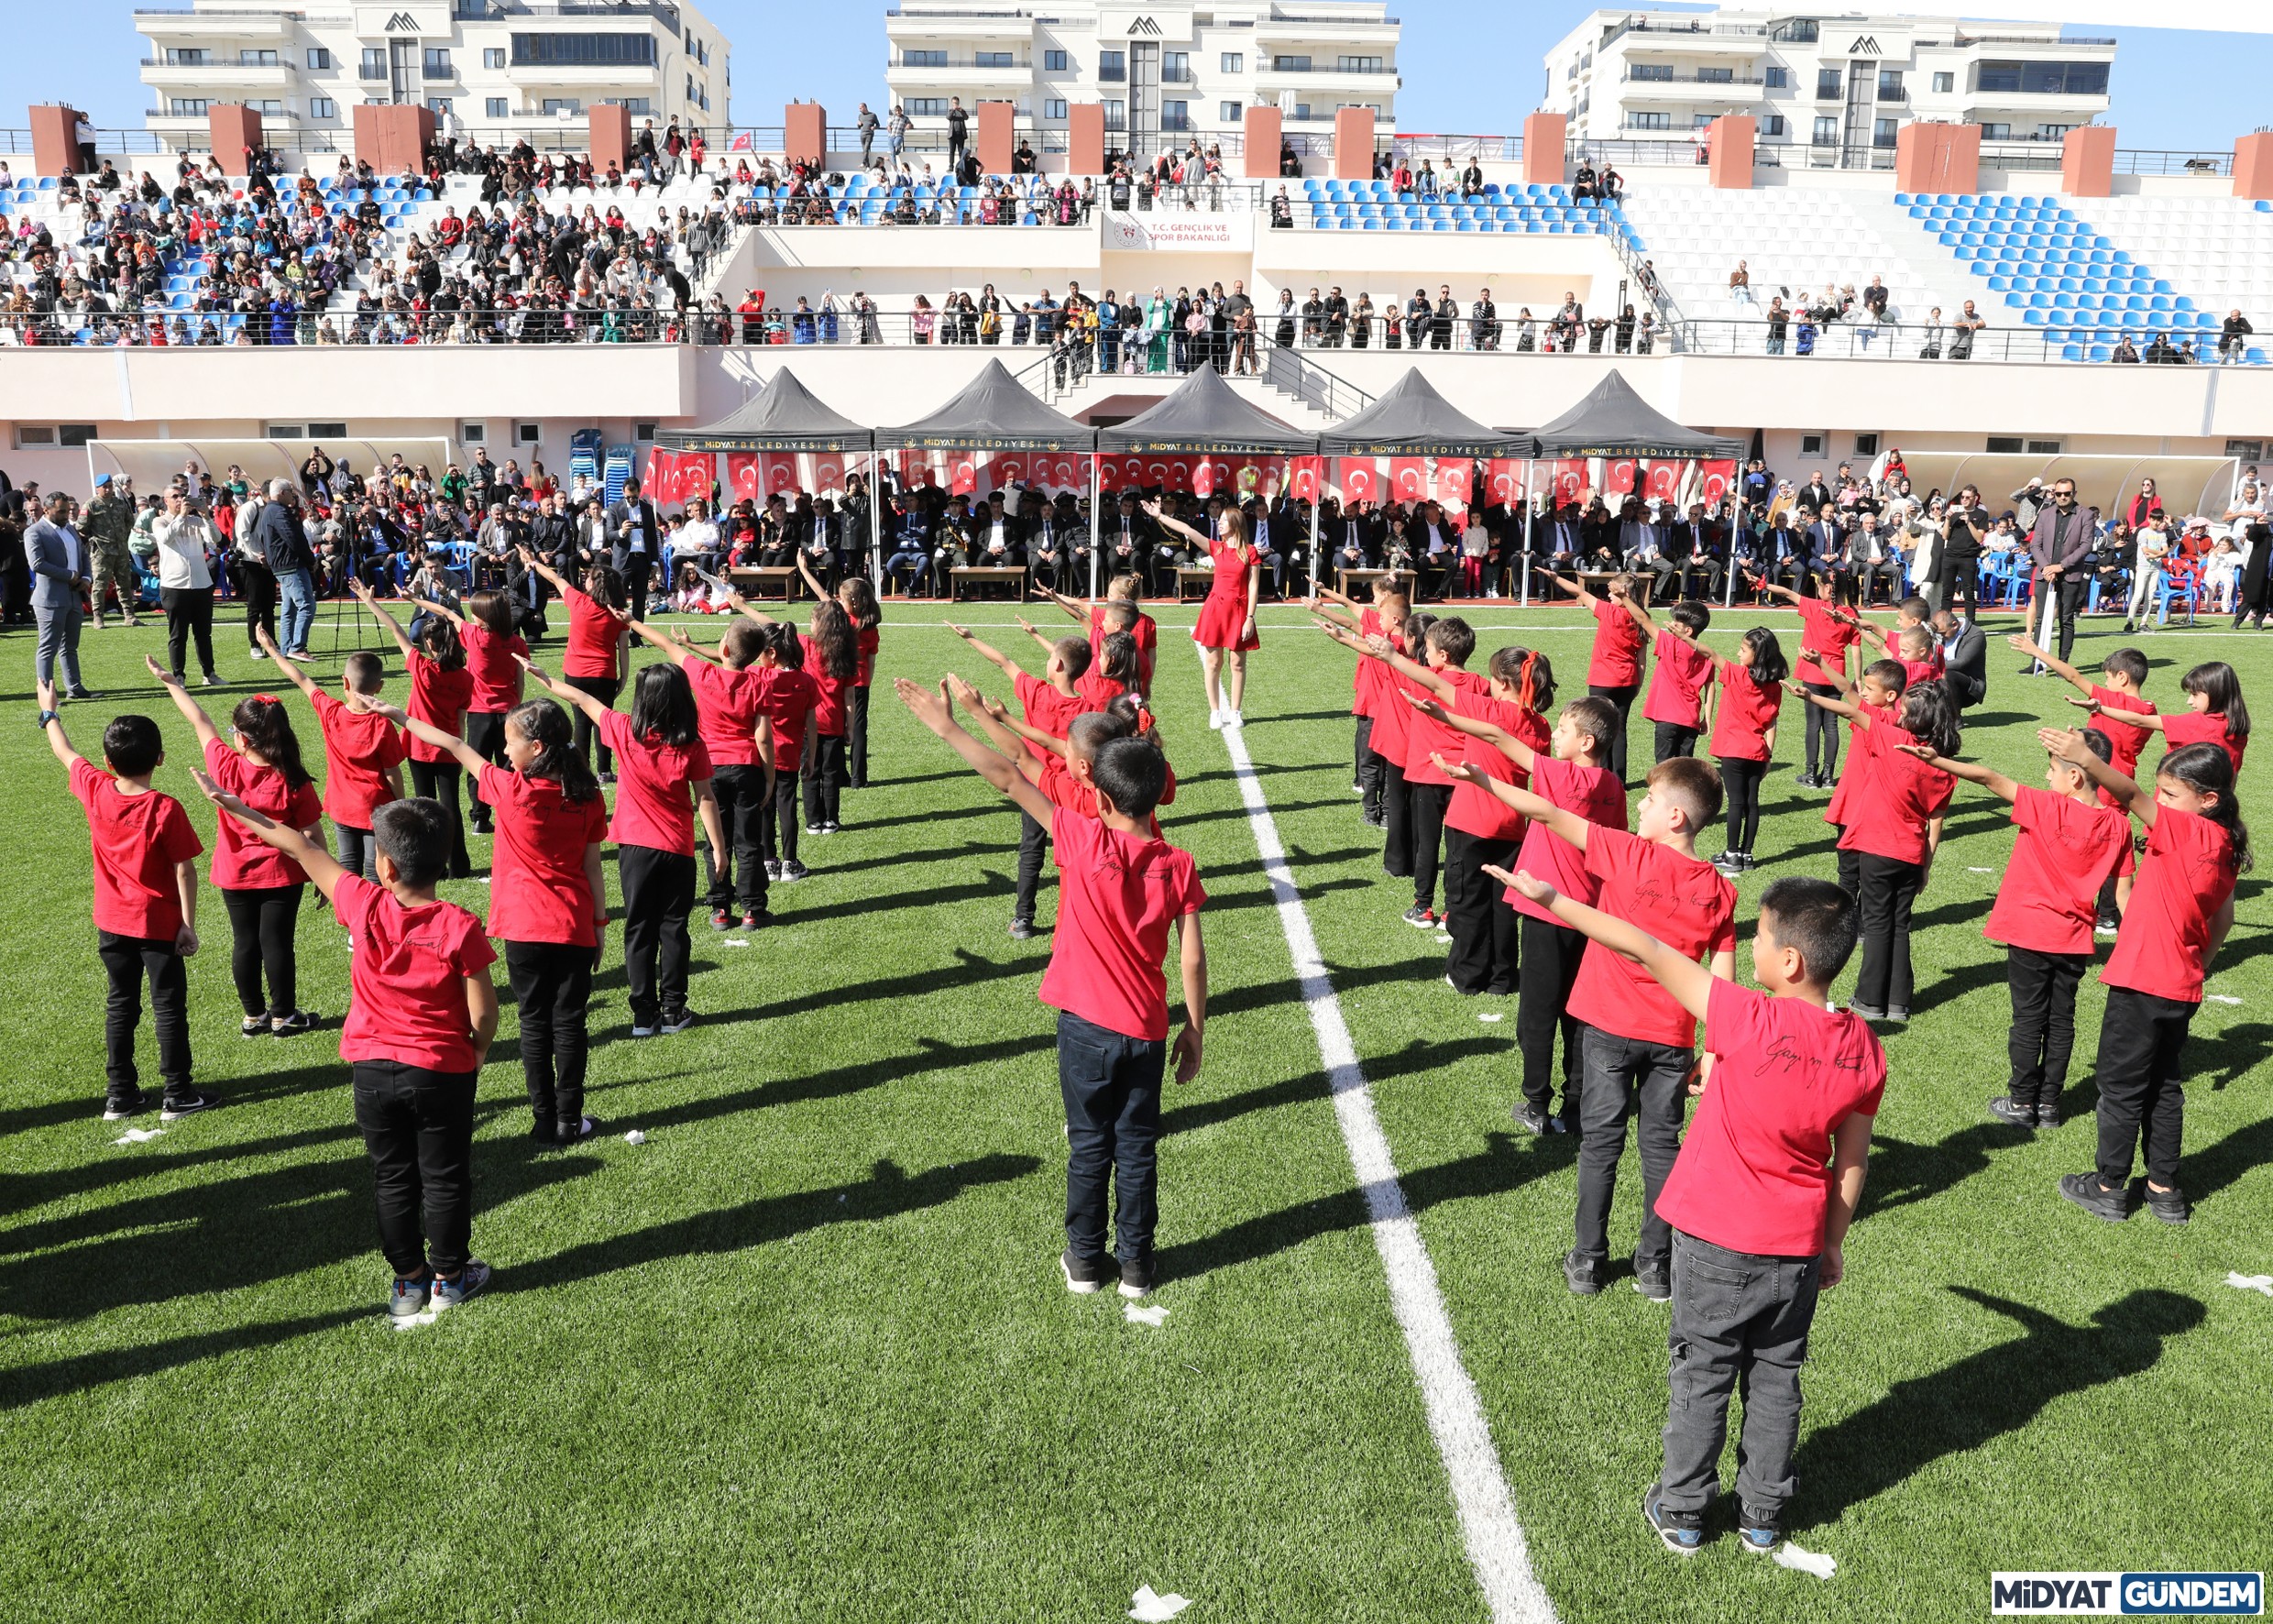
(1355, 580)
(984, 575)
(1186, 574)
(765, 580)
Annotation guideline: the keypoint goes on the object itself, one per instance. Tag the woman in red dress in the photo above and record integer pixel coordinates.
(1227, 618)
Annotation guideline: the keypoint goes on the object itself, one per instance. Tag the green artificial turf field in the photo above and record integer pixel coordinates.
(803, 1355)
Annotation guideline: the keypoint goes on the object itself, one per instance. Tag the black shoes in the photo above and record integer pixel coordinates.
(1135, 1277)
(1081, 1277)
(1656, 1284)
(1022, 930)
(2012, 1113)
(1582, 1275)
(1531, 1118)
(2168, 1205)
(2095, 1198)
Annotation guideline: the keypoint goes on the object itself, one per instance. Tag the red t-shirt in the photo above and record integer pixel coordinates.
(788, 695)
(1118, 897)
(1748, 711)
(1616, 662)
(2124, 741)
(593, 633)
(1046, 710)
(2048, 899)
(835, 692)
(497, 673)
(1906, 795)
(538, 890)
(1854, 776)
(1098, 690)
(726, 709)
(1754, 1172)
(242, 859)
(1596, 795)
(1475, 810)
(2163, 946)
(407, 973)
(358, 748)
(1914, 671)
(1146, 632)
(1829, 636)
(1366, 680)
(439, 698)
(653, 807)
(865, 646)
(1425, 733)
(1676, 686)
(137, 841)
(2182, 727)
(1682, 902)
(1392, 717)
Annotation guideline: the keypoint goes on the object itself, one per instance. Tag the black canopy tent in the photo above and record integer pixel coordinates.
(1202, 416)
(1413, 419)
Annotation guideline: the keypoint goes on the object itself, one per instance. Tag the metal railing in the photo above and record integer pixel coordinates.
(1631, 76)
(1287, 370)
(1916, 341)
(2133, 161)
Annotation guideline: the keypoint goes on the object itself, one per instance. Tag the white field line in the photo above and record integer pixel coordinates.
(1479, 1489)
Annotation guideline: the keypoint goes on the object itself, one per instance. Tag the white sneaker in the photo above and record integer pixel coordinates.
(1215, 718)
(1232, 719)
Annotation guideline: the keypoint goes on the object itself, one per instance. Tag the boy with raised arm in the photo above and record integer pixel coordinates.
(2124, 674)
(1761, 1197)
(1050, 702)
(1121, 891)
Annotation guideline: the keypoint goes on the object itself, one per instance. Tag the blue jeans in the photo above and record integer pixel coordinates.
(1112, 1087)
(296, 588)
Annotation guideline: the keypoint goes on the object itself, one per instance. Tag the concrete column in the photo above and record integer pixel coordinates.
(2087, 161)
(1546, 134)
(1264, 133)
(994, 137)
(233, 129)
(54, 147)
(805, 134)
(1085, 138)
(1730, 151)
(610, 130)
(1937, 158)
(1353, 144)
(390, 136)
(2253, 167)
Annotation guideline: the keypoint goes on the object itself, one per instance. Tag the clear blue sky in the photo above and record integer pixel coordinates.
(2172, 89)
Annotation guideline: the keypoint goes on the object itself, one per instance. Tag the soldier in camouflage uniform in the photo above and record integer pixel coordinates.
(108, 524)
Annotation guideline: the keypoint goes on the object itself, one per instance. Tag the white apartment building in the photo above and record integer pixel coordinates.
(485, 67)
(1165, 72)
(1828, 90)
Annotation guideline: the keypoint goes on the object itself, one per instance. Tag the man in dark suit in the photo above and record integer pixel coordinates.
(634, 544)
(1352, 537)
(1827, 550)
(1813, 494)
(1127, 533)
(2060, 545)
(1965, 658)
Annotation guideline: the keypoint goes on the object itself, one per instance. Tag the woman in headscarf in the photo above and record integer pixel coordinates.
(1157, 314)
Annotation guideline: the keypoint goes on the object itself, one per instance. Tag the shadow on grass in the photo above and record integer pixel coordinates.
(934, 1056)
(2242, 1151)
(2224, 1058)
(1415, 1056)
(1903, 1173)
(1981, 1398)
(32, 1383)
(1966, 978)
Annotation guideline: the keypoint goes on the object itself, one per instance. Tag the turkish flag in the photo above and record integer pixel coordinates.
(963, 474)
(1008, 469)
(1108, 472)
(781, 473)
(1202, 477)
(698, 471)
(1455, 480)
(829, 470)
(1302, 476)
(662, 473)
(1180, 473)
(1504, 480)
(1618, 475)
(1570, 479)
(1663, 480)
(915, 466)
(1719, 476)
(1156, 474)
(1408, 479)
(1359, 477)
(1136, 474)
(742, 475)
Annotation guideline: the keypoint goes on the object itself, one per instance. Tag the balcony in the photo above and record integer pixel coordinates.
(1692, 87)
(171, 25)
(1719, 39)
(164, 75)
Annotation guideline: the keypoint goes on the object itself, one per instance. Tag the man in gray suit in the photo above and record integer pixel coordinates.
(2060, 545)
(57, 559)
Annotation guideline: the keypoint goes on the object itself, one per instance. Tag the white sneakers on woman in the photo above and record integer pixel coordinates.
(1219, 719)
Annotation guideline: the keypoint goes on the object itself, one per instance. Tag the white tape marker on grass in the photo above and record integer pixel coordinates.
(1464, 1441)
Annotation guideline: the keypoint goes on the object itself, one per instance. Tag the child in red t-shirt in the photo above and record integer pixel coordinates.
(857, 598)
(664, 784)
(442, 690)
(1050, 702)
(1685, 670)
(418, 1028)
(1638, 1047)
(548, 898)
(830, 658)
(1744, 730)
(2122, 695)
(1826, 634)
(1447, 645)
(493, 653)
(1761, 1197)
(1614, 670)
(2068, 846)
(2215, 714)
(1062, 768)
(260, 889)
(363, 754)
(1385, 617)
(730, 705)
(597, 654)
(2181, 910)
(1117, 611)
(145, 903)
(1123, 893)
(1877, 695)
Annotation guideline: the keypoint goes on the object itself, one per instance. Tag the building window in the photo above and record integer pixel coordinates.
(1053, 61)
(1827, 132)
(1890, 84)
(255, 59)
(2054, 132)
(267, 106)
(494, 107)
(923, 58)
(1699, 121)
(1357, 64)
(437, 61)
(540, 51)
(1233, 61)
(1229, 113)
(1651, 73)
(319, 59)
(1053, 108)
(1773, 125)
(1175, 67)
(493, 56)
(553, 106)
(1800, 31)
(1866, 445)
(178, 56)
(2042, 78)
(1716, 75)
(1290, 64)
(1997, 132)
(637, 106)
(374, 63)
(1829, 84)
(1117, 114)
(323, 107)
(439, 106)
(1882, 132)
(1112, 65)
(1779, 79)
(472, 8)
(1175, 115)
(1944, 83)
(1302, 114)
(994, 58)
(926, 106)
(187, 107)
(1650, 121)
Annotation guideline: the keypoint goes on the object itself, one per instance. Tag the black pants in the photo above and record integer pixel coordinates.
(1740, 780)
(1369, 772)
(439, 781)
(1483, 927)
(777, 820)
(859, 738)
(128, 959)
(1956, 577)
(2044, 1021)
(824, 779)
(2142, 1092)
(188, 616)
(1033, 847)
(262, 925)
(552, 983)
(1112, 1087)
(1551, 955)
(1889, 887)
(1396, 820)
(1849, 870)
(357, 851)
(604, 690)
(1621, 701)
(1822, 734)
(2068, 605)
(418, 1126)
(636, 575)
(259, 585)
(738, 874)
(658, 895)
(485, 731)
(1674, 740)
(1427, 824)
(1627, 1077)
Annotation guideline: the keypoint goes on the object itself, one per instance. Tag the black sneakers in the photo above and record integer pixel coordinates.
(177, 1106)
(2007, 1110)
(1683, 1533)
(1531, 1118)
(1083, 1279)
(118, 1107)
(1022, 930)
(1135, 1277)
(2169, 1205)
(1757, 1534)
(1656, 1284)
(2095, 1198)
(1582, 1275)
